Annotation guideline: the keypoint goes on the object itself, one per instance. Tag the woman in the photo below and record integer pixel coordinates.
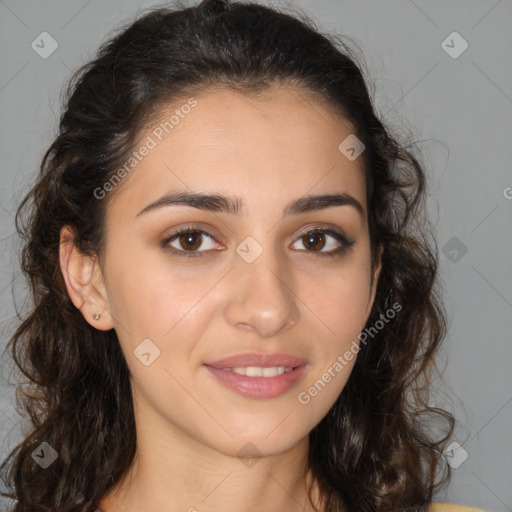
(234, 282)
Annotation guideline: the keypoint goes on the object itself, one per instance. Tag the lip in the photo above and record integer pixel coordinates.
(261, 360)
(258, 387)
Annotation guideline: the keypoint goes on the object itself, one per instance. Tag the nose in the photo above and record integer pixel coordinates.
(261, 296)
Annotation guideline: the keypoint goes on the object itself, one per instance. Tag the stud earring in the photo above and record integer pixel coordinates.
(96, 316)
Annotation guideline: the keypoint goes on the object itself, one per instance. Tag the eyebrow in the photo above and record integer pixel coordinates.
(234, 205)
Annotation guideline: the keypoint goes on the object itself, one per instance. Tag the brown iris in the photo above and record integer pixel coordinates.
(187, 240)
(315, 239)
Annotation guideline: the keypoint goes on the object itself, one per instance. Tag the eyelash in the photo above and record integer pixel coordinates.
(346, 244)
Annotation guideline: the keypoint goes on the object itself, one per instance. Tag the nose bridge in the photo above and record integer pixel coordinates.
(263, 296)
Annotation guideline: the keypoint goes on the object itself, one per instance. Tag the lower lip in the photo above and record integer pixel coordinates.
(259, 387)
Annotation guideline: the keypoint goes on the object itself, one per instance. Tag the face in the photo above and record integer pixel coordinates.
(252, 275)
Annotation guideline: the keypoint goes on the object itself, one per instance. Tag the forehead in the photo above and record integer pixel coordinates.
(281, 145)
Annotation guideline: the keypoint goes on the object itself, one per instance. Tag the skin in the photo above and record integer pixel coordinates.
(291, 299)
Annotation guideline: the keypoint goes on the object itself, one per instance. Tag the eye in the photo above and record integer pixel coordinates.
(191, 242)
(315, 240)
(187, 242)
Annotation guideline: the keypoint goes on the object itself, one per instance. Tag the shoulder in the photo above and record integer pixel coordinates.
(448, 507)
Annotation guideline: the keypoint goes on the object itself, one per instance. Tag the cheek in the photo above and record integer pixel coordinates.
(173, 311)
(339, 304)
(155, 306)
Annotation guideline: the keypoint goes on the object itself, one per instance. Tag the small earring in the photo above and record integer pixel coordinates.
(96, 316)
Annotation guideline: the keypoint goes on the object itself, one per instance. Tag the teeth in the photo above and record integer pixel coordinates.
(256, 371)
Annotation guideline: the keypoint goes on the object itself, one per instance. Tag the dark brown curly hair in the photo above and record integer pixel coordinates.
(374, 450)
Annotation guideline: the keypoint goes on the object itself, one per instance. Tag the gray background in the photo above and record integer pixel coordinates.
(458, 111)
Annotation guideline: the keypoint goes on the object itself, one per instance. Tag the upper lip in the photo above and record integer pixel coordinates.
(259, 360)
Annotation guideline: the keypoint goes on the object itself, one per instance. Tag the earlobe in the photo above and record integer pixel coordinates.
(84, 282)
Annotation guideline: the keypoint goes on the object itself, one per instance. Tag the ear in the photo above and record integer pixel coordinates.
(84, 282)
(375, 280)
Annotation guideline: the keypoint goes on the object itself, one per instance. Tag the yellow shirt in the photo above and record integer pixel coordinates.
(448, 507)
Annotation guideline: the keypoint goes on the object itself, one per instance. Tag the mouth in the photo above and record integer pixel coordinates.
(259, 381)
